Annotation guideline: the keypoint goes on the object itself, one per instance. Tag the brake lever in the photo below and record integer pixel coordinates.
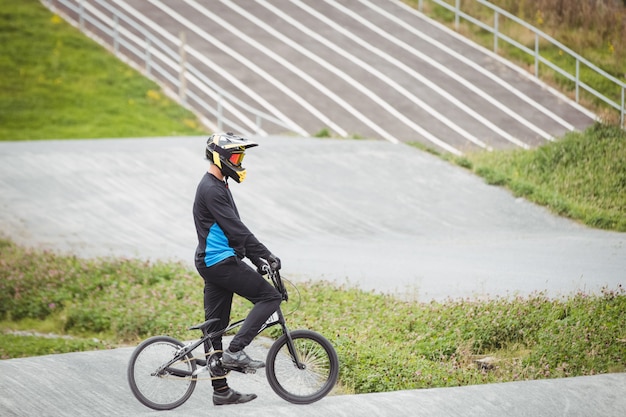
(276, 280)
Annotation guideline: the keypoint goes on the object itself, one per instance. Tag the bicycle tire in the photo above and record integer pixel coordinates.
(302, 386)
(171, 388)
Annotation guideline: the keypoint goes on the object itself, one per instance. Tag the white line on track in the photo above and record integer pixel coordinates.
(300, 73)
(160, 56)
(192, 52)
(297, 71)
(234, 54)
(399, 64)
(248, 63)
(443, 69)
(347, 55)
(474, 66)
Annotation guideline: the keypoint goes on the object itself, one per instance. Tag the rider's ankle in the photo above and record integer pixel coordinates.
(221, 390)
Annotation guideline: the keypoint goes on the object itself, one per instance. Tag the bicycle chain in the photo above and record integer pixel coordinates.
(212, 378)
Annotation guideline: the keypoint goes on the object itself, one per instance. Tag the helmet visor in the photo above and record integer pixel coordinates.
(236, 158)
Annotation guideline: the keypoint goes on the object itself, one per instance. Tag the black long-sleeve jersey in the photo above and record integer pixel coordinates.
(221, 233)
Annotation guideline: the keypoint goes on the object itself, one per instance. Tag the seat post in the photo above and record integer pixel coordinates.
(208, 345)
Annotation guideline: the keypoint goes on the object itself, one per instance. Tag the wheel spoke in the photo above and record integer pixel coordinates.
(168, 389)
(317, 375)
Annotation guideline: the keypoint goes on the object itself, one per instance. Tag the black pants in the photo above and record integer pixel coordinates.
(221, 281)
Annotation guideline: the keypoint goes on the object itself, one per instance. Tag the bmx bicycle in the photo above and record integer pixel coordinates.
(301, 365)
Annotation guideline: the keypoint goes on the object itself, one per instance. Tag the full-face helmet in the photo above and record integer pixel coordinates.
(226, 151)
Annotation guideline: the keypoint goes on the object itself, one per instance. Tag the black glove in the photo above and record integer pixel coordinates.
(260, 263)
(274, 262)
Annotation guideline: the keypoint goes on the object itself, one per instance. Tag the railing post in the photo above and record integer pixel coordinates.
(420, 3)
(577, 78)
(116, 43)
(182, 78)
(148, 56)
(496, 19)
(623, 108)
(456, 14)
(81, 19)
(536, 54)
(622, 121)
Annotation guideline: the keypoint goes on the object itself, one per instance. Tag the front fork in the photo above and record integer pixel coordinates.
(290, 346)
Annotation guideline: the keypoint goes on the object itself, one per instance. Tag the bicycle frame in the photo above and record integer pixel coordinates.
(302, 365)
(276, 318)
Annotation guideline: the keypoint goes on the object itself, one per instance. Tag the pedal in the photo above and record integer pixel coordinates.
(240, 369)
(200, 370)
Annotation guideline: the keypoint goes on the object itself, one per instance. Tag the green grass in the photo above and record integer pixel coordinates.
(383, 343)
(58, 84)
(581, 176)
(18, 346)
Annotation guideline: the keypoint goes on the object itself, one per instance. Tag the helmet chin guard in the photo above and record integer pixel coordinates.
(226, 151)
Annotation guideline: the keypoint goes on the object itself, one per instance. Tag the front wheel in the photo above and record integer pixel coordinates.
(318, 372)
(159, 379)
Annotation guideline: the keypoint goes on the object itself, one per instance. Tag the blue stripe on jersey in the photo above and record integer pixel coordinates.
(217, 248)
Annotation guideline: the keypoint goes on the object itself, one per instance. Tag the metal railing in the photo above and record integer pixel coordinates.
(159, 62)
(540, 36)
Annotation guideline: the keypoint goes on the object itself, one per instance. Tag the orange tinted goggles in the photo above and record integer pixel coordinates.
(236, 158)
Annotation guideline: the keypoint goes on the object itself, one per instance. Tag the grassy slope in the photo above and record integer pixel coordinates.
(582, 176)
(58, 84)
(434, 344)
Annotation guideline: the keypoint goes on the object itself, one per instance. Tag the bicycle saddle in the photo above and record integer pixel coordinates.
(203, 326)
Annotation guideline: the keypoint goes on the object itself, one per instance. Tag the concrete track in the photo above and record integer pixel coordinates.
(376, 215)
(380, 216)
(372, 69)
(368, 213)
(94, 384)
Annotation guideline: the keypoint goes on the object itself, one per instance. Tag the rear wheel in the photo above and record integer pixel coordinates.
(317, 375)
(157, 387)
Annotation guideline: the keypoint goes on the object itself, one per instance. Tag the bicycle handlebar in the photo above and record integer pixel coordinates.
(276, 280)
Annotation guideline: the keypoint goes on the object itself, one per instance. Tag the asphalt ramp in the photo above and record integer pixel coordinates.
(385, 217)
(94, 384)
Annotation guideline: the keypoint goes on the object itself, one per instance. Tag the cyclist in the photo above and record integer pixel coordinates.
(223, 241)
